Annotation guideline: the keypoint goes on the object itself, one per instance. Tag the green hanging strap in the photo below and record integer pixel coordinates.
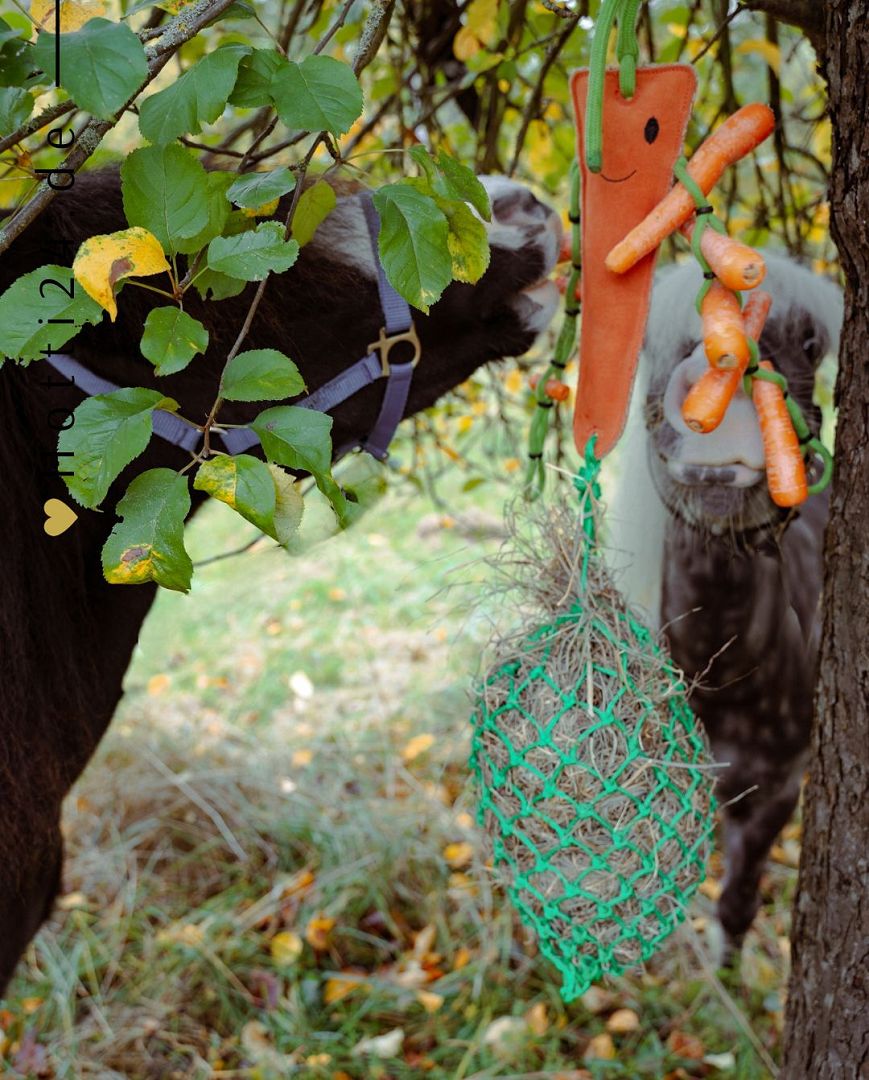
(587, 486)
(625, 13)
(535, 477)
(706, 219)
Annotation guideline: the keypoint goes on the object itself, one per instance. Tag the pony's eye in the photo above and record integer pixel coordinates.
(651, 130)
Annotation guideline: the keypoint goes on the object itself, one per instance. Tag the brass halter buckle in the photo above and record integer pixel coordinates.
(384, 344)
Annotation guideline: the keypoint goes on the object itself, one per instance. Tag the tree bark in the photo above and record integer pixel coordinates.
(827, 1025)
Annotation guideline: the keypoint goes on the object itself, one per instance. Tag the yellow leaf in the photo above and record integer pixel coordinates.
(601, 1046)
(514, 381)
(465, 423)
(104, 260)
(336, 989)
(711, 888)
(482, 18)
(417, 745)
(286, 947)
(537, 1019)
(466, 44)
(261, 211)
(302, 757)
(73, 13)
(157, 684)
(429, 1001)
(623, 1021)
(767, 49)
(462, 958)
(511, 464)
(458, 855)
(318, 930)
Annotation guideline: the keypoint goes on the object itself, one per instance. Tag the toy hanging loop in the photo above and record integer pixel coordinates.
(623, 12)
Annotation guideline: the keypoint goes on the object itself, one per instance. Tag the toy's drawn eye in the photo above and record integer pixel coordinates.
(651, 130)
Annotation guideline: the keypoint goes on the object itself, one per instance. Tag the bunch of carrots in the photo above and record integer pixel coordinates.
(727, 327)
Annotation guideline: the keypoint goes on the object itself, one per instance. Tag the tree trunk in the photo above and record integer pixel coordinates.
(827, 1026)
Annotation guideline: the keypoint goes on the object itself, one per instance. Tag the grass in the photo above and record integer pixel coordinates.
(273, 869)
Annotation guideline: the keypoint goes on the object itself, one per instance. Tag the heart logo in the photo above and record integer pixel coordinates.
(59, 517)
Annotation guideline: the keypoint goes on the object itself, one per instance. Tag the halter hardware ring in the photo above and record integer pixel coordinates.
(384, 343)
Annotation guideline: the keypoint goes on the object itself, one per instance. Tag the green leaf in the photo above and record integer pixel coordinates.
(261, 375)
(301, 439)
(198, 97)
(211, 285)
(16, 58)
(165, 190)
(261, 493)
(468, 241)
(244, 483)
(256, 189)
(25, 313)
(16, 105)
(253, 255)
(255, 73)
(109, 431)
(320, 94)
(218, 210)
(148, 543)
(103, 65)
(413, 243)
(171, 339)
(289, 504)
(457, 181)
(312, 209)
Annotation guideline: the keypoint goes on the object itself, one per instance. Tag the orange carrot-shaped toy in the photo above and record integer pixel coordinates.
(706, 402)
(736, 265)
(785, 469)
(642, 138)
(735, 138)
(723, 328)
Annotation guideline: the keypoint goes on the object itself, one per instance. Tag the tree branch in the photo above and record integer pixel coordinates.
(174, 34)
(807, 15)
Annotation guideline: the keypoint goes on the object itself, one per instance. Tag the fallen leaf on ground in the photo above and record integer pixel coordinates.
(623, 1021)
(381, 1046)
(318, 930)
(459, 855)
(417, 745)
(601, 1046)
(286, 947)
(686, 1046)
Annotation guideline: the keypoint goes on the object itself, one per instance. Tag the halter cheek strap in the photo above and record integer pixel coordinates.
(397, 327)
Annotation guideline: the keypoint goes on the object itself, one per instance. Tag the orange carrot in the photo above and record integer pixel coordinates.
(785, 470)
(754, 314)
(556, 390)
(706, 402)
(735, 265)
(736, 137)
(723, 329)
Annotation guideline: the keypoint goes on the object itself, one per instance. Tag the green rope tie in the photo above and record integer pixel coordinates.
(535, 477)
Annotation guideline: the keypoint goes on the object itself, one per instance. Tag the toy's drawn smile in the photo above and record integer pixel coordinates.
(617, 179)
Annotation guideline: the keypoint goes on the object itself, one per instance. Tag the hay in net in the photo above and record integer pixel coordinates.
(595, 780)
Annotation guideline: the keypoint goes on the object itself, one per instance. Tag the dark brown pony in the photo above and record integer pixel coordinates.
(66, 637)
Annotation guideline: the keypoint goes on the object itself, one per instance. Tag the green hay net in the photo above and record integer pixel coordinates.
(595, 779)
